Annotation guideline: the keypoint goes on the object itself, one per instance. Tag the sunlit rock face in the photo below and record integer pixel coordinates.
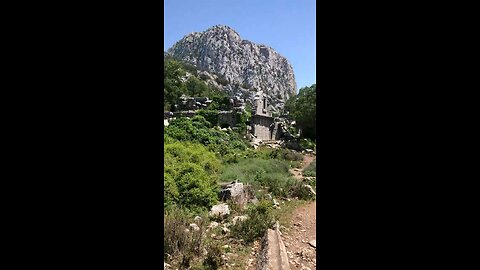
(246, 66)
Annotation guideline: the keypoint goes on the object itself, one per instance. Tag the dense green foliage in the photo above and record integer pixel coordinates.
(190, 177)
(227, 144)
(172, 81)
(177, 84)
(302, 109)
(210, 115)
(260, 219)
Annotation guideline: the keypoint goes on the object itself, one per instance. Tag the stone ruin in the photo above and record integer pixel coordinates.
(262, 127)
(189, 106)
(265, 127)
(191, 103)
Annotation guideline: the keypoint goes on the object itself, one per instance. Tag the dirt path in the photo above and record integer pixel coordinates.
(301, 254)
(302, 230)
(297, 173)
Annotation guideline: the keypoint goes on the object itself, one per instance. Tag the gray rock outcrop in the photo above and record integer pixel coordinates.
(243, 66)
(220, 210)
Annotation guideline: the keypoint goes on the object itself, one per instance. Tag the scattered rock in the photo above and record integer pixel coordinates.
(166, 265)
(313, 243)
(213, 225)
(310, 189)
(220, 210)
(275, 203)
(225, 230)
(194, 227)
(197, 219)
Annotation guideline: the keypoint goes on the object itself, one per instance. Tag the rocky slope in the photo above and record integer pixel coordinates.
(246, 67)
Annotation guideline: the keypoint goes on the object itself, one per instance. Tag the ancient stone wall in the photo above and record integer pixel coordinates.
(261, 127)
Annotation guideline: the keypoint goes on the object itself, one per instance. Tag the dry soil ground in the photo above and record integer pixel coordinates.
(303, 230)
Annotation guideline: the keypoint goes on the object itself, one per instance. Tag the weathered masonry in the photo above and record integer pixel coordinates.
(261, 127)
(263, 124)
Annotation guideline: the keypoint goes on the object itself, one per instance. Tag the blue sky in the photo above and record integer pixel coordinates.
(288, 26)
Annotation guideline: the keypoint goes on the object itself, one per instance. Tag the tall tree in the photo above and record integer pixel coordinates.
(303, 109)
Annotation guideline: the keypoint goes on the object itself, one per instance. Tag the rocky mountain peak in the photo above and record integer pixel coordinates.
(246, 66)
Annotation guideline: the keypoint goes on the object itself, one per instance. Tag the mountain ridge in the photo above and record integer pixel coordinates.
(247, 66)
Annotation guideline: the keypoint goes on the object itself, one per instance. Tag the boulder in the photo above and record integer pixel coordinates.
(220, 210)
(194, 227)
(275, 203)
(232, 190)
(213, 225)
(310, 189)
(237, 192)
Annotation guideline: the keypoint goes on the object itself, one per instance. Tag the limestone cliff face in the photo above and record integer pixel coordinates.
(248, 67)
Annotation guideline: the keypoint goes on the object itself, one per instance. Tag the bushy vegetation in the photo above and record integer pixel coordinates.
(311, 169)
(302, 109)
(177, 84)
(226, 144)
(270, 174)
(279, 153)
(260, 219)
(178, 238)
(213, 259)
(190, 176)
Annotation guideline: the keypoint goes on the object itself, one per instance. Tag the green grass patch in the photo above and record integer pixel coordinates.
(311, 169)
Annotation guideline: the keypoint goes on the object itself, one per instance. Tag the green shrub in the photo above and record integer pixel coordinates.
(260, 218)
(190, 176)
(273, 174)
(210, 115)
(170, 195)
(214, 260)
(299, 190)
(178, 241)
(198, 130)
(279, 153)
(197, 189)
(307, 144)
(311, 169)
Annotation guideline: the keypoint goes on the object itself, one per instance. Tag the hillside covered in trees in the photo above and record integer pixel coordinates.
(180, 78)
